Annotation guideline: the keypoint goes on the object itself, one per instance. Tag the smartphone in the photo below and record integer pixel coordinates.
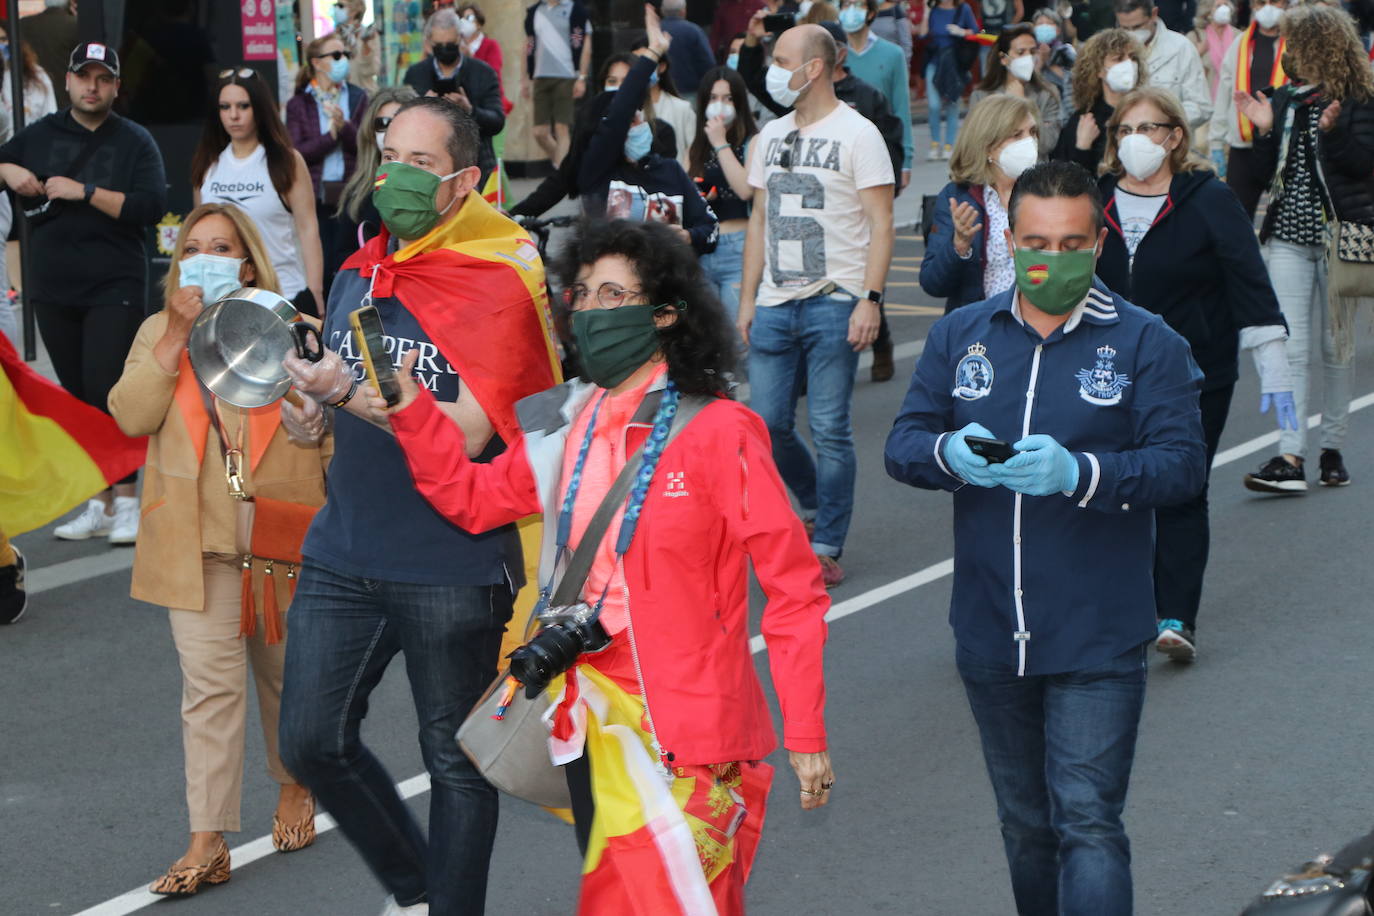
(777, 23)
(994, 450)
(445, 85)
(371, 340)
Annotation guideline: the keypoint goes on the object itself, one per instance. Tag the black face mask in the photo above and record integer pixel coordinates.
(446, 54)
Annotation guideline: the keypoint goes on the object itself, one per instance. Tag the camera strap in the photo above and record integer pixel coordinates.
(635, 476)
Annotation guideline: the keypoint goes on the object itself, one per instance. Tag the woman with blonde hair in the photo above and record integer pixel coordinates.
(967, 259)
(1180, 244)
(357, 219)
(1109, 65)
(1315, 142)
(188, 556)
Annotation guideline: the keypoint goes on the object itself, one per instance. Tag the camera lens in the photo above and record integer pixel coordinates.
(548, 654)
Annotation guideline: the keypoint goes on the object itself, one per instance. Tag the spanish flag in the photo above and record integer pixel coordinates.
(55, 450)
(475, 284)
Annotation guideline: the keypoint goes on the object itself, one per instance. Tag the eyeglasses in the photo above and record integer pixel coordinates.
(609, 295)
(1144, 127)
(381, 124)
(243, 73)
(789, 142)
(334, 54)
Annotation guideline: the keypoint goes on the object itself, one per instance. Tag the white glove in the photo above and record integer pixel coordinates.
(1269, 346)
(326, 381)
(305, 424)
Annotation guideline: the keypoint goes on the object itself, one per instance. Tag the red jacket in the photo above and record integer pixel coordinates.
(685, 569)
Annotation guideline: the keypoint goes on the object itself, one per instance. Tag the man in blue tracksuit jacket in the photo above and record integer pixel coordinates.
(1053, 605)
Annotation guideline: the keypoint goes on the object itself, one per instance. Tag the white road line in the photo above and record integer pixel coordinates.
(79, 570)
(252, 851)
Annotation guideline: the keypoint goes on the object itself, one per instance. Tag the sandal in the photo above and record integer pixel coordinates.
(291, 837)
(185, 880)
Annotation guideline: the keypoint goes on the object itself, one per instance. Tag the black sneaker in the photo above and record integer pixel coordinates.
(1333, 472)
(13, 598)
(1278, 476)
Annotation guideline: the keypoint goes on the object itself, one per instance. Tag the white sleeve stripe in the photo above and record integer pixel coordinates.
(940, 458)
(1092, 482)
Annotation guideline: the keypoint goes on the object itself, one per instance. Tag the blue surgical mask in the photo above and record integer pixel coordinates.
(852, 18)
(340, 14)
(638, 141)
(216, 276)
(732, 61)
(1046, 34)
(338, 70)
(653, 78)
(5, 50)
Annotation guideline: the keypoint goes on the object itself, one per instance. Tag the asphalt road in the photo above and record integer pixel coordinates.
(1250, 761)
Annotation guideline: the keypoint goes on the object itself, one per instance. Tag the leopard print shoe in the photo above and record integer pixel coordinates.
(291, 837)
(185, 880)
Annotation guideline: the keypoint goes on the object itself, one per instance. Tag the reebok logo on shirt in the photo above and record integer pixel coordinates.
(236, 190)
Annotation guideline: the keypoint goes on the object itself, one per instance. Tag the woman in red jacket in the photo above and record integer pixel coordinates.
(664, 730)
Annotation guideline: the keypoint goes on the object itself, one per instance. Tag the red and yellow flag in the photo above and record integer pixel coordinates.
(55, 450)
(1276, 75)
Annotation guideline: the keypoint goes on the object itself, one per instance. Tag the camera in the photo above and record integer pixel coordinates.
(567, 633)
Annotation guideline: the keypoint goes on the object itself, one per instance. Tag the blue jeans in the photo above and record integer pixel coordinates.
(1059, 749)
(345, 630)
(723, 268)
(941, 108)
(784, 337)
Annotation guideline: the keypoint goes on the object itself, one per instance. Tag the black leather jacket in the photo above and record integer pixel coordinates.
(1347, 159)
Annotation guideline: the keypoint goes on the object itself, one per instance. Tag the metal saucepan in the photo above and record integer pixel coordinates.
(237, 345)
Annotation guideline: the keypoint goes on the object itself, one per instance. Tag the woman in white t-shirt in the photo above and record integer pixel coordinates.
(245, 158)
(39, 99)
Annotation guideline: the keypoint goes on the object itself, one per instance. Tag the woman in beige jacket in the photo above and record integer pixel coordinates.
(187, 558)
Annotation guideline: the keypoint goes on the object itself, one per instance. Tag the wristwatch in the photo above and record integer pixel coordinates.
(90, 191)
(875, 296)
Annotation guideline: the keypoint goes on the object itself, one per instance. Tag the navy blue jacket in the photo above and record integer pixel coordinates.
(1048, 584)
(1199, 267)
(944, 274)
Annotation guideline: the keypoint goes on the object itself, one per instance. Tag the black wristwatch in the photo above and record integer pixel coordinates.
(90, 191)
(876, 296)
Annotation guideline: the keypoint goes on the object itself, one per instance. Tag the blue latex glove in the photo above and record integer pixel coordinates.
(971, 467)
(1041, 468)
(1219, 160)
(1285, 411)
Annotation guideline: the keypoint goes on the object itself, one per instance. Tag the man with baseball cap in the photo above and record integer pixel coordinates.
(91, 184)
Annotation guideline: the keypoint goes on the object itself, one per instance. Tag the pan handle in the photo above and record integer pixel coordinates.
(303, 332)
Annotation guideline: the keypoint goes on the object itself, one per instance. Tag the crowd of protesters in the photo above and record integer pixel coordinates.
(735, 189)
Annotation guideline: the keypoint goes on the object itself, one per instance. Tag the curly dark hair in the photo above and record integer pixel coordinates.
(700, 345)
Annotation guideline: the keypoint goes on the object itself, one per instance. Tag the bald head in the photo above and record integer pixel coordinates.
(802, 44)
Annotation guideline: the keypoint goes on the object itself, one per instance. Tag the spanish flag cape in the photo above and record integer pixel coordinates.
(55, 450)
(476, 286)
(1276, 76)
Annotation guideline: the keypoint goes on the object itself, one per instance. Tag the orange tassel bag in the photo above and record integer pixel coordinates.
(271, 532)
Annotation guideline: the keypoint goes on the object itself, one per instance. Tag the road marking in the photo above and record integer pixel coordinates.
(250, 852)
(79, 570)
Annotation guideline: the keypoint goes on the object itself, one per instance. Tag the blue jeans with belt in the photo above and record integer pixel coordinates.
(812, 333)
(345, 630)
(1059, 749)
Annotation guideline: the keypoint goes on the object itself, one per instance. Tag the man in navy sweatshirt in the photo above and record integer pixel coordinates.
(1053, 605)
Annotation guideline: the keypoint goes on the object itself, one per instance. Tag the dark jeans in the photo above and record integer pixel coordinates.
(88, 346)
(1244, 175)
(1182, 533)
(344, 630)
(1059, 749)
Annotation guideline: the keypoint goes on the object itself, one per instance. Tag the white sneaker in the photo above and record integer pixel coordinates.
(91, 523)
(934, 154)
(946, 152)
(125, 528)
(415, 909)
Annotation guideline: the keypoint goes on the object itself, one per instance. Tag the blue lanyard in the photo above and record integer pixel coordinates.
(653, 450)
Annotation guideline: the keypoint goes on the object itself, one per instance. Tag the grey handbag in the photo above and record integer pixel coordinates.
(512, 752)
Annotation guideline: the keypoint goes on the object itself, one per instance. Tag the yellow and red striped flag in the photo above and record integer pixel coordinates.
(55, 450)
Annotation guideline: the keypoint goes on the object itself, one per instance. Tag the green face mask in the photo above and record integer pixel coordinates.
(1054, 281)
(404, 196)
(613, 343)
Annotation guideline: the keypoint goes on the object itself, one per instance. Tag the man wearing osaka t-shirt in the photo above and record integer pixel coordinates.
(815, 264)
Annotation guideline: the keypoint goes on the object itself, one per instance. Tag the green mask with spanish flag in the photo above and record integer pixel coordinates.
(1054, 281)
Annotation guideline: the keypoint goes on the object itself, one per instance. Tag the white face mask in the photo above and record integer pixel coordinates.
(1140, 156)
(381, 140)
(1222, 15)
(1122, 77)
(467, 27)
(776, 82)
(721, 110)
(1268, 16)
(1017, 156)
(1143, 35)
(1023, 68)
(803, 8)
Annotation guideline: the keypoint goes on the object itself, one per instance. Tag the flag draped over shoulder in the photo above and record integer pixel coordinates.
(476, 286)
(55, 450)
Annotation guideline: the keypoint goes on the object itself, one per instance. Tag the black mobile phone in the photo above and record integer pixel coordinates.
(777, 23)
(371, 340)
(445, 85)
(994, 450)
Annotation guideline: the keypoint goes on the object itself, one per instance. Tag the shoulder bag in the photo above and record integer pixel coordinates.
(39, 210)
(510, 748)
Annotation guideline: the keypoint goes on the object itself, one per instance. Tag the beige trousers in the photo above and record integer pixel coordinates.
(214, 697)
